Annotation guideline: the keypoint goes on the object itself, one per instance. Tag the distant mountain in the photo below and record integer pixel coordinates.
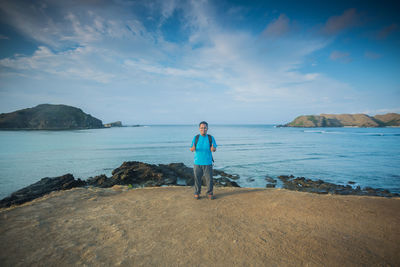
(390, 119)
(345, 120)
(48, 117)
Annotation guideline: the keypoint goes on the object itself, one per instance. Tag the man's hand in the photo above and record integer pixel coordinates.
(193, 148)
(213, 149)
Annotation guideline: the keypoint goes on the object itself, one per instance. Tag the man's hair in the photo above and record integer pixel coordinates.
(203, 122)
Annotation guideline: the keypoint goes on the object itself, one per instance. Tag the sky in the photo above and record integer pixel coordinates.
(181, 62)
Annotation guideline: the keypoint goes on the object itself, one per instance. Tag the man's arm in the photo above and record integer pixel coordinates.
(193, 148)
(213, 147)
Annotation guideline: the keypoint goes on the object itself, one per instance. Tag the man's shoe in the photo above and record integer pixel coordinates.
(196, 197)
(210, 197)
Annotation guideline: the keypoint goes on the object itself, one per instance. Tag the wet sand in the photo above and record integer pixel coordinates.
(167, 227)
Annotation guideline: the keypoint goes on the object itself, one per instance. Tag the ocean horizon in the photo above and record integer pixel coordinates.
(365, 156)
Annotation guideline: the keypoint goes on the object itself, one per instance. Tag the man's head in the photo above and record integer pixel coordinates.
(203, 127)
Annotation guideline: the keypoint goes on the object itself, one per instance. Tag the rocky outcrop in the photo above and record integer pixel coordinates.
(41, 188)
(139, 174)
(322, 187)
(132, 173)
(113, 124)
(343, 120)
(48, 117)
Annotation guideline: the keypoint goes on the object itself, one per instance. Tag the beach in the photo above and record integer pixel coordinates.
(165, 226)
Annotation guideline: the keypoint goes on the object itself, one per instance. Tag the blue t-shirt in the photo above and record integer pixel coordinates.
(202, 154)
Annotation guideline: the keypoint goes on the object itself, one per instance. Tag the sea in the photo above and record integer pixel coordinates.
(365, 156)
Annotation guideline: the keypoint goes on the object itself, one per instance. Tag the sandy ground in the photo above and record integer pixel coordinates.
(167, 227)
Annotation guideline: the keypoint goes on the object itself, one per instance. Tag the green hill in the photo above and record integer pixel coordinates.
(48, 117)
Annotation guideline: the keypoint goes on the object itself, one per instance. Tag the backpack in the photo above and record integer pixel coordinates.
(209, 140)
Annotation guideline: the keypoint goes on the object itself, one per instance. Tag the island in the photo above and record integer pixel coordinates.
(49, 117)
(345, 120)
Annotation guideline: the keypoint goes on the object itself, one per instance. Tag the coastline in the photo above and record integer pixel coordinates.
(166, 226)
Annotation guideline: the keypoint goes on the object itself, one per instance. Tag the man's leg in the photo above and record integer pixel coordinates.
(198, 174)
(208, 174)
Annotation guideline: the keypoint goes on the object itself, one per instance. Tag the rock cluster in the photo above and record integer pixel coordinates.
(133, 173)
(271, 182)
(41, 188)
(322, 187)
(140, 174)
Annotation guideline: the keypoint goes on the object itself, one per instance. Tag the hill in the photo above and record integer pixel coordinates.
(345, 120)
(390, 119)
(48, 117)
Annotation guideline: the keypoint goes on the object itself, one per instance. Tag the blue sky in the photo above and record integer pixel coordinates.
(180, 62)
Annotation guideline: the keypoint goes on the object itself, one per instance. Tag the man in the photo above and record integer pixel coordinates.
(203, 144)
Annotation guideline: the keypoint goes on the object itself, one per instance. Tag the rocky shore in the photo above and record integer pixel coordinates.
(136, 174)
(131, 173)
(321, 187)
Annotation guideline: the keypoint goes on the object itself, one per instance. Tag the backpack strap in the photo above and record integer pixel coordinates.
(210, 141)
(196, 140)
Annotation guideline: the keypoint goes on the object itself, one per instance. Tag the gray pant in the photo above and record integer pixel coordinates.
(199, 171)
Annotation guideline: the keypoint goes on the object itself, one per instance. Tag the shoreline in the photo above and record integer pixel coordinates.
(166, 226)
(137, 174)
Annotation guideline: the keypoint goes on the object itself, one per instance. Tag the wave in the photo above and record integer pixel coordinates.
(351, 133)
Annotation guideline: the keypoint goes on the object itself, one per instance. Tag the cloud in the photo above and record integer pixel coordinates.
(372, 55)
(336, 24)
(78, 63)
(3, 37)
(340, 56)
(278, 27)
(118, 57)
(386, 31)
(382, 111)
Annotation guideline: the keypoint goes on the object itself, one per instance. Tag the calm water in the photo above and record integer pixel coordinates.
(367, 156)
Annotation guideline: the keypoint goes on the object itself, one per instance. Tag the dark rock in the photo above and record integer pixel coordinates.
(271, 185)
(41, 188)
(270, 180)
(250, 180)
(321, 187)
(224, 182)
(224, 174)
(182, 171)
(101, 181)
(351, 182)
(143, 174)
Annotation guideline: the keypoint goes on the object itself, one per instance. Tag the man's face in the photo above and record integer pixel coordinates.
(203, 129)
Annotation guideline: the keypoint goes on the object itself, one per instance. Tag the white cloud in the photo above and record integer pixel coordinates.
(119, 51)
